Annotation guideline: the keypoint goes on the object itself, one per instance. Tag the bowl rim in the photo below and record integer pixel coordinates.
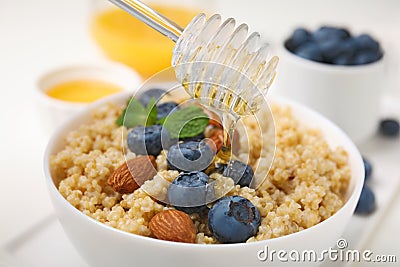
(350, 148)
(325, 67)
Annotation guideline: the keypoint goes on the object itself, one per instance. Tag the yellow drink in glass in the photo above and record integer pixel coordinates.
(125, 39)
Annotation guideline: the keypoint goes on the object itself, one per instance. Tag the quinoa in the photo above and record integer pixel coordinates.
(304, 186)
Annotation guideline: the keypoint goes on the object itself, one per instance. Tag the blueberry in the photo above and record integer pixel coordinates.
(327, 33)
(147, 95)
(366, 42)
(333, 49)
(164, 109)
(343, 60)
(366, 57)
(220, 167)
(343, 33)
(350, 46)
(389, 127)
(368, 169)
(201, 210)
(147, 140)
(299, 37)
(233, 219)
(366, 204)
(240, 172)
(190, 156)
(189, 191)
(198, 137)
(309, 51)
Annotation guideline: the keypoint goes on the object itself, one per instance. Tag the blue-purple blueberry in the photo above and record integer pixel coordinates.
(190, 156)
(309, 51)
(164, 109)
(189, 191)
(147, 95)
(366, 203)
(299, 37)
(389, 127)
(367, 169)
(333, 45)
(241, 173)
(233, 219)
(147, 140)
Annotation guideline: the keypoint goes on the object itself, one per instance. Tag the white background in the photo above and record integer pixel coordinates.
(37, 35)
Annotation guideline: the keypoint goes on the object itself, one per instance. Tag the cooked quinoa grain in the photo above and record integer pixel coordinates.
(304, 186)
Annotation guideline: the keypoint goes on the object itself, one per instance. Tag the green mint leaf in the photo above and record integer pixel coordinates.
(162, 120)
(120, 119)
(136, 114)
(187, 122)
(151, 111)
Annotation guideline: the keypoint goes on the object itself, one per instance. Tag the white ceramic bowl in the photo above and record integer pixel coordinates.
(347, 95)
(102, 245)
(53, 112)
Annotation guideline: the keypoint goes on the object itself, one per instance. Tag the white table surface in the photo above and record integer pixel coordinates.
(37, 35)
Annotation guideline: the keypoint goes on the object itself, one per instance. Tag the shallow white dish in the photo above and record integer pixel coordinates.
(53, 112)
(101, 245)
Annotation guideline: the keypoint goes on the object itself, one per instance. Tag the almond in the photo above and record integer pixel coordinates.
(236, 143)
(133, 173)
(173, 225)
(216, 139)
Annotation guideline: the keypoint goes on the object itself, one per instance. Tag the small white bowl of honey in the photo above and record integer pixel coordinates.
(63, 91)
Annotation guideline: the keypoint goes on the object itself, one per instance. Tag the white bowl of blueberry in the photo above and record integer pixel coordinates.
(337, 73)
(115, 221)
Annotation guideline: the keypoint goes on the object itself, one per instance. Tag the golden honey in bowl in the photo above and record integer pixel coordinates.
(125, 39)
(83, 91)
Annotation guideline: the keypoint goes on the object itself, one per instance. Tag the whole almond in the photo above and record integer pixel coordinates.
(173, 225)
(133, 173)
(216, 139)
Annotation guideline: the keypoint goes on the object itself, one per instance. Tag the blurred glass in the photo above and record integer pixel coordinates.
(125, 39)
